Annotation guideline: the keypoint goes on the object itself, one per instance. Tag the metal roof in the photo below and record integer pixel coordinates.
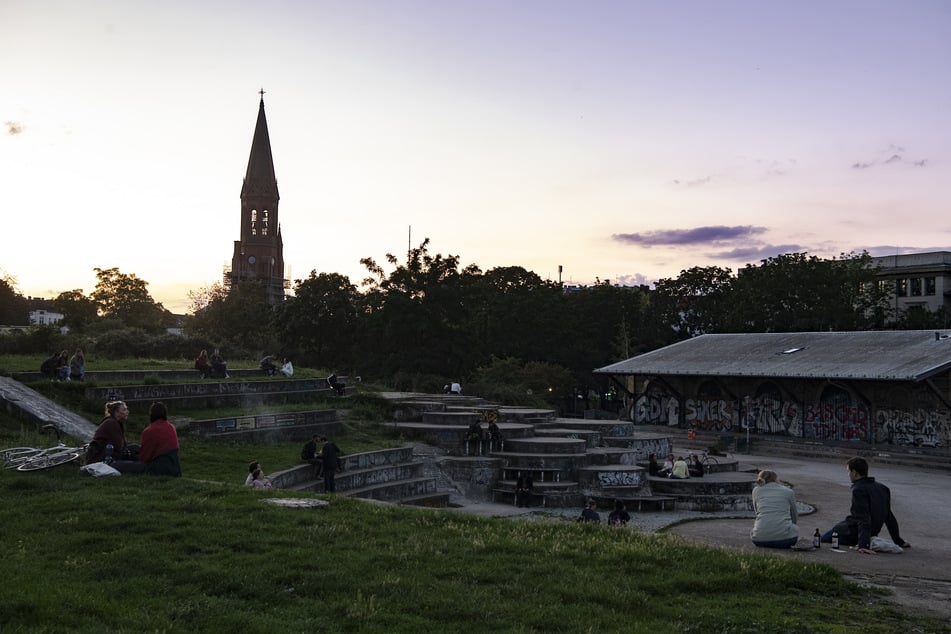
(901, 355)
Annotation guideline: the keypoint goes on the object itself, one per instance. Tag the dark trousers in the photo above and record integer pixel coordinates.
(329, 486)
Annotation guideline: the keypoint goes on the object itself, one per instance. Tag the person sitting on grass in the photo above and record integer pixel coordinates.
(776, 515)
(253, 466)
(203, 365)
(287, 369)
(159, 450)
(218, 366)
(619, 516)
(589, 514)
(269, 365)
(77, 366)
(258, 481)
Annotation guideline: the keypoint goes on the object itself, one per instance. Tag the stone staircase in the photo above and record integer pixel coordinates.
(392, 475)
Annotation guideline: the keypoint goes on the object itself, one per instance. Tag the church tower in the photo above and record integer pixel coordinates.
(259, 254)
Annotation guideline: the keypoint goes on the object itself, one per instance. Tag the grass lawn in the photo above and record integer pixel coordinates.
(204, 553)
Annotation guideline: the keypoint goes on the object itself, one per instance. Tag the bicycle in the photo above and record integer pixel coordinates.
(36, 459)
(709, 463)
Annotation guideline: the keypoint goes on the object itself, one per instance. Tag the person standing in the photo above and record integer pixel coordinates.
(309, 454)
(330, 457)
(524, 487)
(775, 525)
(870, 510)
(159, 450)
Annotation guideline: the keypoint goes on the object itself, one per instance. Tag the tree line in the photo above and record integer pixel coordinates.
(418, 323)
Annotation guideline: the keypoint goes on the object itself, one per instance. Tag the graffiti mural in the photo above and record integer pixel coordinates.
(918, 428)
(767, 414)
(656, 409)
(710, 414)
(836, 420)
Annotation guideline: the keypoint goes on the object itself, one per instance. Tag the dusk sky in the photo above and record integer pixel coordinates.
(623, 140)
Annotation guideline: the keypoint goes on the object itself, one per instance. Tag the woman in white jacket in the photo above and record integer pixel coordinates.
(776, 516)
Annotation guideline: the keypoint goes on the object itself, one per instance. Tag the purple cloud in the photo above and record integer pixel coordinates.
(861, 166)
(757, 252)
(894, 158)
(699, 235)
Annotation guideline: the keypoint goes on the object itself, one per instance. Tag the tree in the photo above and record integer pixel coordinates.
(697, 301)
(126, 297)
(514, 313)
(320, 320)
(413, 319)
(14, 308)
(796, 292)
(240, 316)
(78, 310)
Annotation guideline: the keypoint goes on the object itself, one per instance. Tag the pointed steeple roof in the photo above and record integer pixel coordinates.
(259, 179)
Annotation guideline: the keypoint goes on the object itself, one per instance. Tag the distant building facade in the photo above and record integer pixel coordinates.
(918, 280)
(43, 317)
(259, 254)
(878, 387)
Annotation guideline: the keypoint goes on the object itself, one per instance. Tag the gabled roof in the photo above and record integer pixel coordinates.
(907, 355)
(260, 180)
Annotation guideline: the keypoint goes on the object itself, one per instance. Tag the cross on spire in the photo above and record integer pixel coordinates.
(261, 92)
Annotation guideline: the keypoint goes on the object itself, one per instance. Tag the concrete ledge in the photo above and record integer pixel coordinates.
(545, 445)
(612, 476)
(227, 426)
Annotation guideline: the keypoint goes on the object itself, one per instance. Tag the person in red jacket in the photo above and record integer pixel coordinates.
(159, 450)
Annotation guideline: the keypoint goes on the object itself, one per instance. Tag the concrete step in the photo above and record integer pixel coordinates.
(429, 500)
(545, 445)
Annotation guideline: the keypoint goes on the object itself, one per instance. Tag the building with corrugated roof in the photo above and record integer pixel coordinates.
(881, 387)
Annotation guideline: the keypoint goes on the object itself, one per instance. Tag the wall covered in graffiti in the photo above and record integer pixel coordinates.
(834, 416)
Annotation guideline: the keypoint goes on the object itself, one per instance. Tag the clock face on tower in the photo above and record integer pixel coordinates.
(251, 259)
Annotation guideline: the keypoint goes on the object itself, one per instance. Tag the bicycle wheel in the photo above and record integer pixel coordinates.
(15, 456)
(709, 463)
(48, 461)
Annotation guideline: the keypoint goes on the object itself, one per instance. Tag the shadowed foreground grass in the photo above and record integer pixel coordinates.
(139, 554)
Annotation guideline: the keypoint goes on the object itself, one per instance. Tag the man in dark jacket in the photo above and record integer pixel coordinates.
(871, 509)
(329, 455)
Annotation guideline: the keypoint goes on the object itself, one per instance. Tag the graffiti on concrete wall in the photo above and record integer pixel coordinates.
(710, 414)
(768, 414)
(830, 420)
(919, 428)
(656, 409)
(620, 478)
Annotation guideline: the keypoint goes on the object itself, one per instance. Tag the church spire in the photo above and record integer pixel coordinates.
(259, 180)
(259, 254)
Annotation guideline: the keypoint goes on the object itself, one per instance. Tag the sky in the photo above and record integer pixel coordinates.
(621, 140)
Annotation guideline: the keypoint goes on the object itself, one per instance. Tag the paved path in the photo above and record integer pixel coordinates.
(920, 578)
(27, 402)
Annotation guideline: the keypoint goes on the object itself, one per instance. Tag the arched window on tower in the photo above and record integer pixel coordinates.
(254, 222)
(264, 222)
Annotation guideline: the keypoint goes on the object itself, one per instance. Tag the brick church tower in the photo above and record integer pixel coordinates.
(259, 254)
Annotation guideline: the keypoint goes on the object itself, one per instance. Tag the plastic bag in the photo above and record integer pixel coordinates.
(99, 469)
